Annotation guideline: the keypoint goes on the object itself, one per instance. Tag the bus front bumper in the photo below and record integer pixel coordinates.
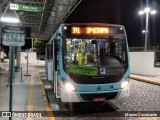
(100, 96)
(124, 93)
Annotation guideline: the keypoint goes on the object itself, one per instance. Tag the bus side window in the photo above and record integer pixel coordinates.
(47, 52)
(51, 50)
(49, 55)
(56, 53)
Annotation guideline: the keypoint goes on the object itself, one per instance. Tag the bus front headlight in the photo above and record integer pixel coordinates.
(69, 86)
(124, 84)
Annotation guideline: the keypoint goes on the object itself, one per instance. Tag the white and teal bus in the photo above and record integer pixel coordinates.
(88, 62)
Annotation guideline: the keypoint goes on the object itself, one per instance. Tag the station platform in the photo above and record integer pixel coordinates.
(28, 93)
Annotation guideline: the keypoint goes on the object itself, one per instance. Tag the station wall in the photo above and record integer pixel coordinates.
(32, 57)
(142, 63)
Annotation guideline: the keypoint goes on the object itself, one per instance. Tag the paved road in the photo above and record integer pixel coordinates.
(143, 97)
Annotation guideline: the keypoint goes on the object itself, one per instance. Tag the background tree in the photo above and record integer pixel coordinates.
(40, 45)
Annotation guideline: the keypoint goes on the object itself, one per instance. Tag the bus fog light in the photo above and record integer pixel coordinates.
(69, 87)
(124, 84)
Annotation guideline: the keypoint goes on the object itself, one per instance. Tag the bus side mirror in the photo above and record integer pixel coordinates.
(57, 44)
(57, 41)
(58, 36)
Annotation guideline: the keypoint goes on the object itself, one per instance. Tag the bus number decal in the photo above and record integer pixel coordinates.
(76, 30)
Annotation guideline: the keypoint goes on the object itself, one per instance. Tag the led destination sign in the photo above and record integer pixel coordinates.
(90, 30)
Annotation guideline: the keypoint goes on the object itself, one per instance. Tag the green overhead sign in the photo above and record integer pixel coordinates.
(13, 36)
(26, 8)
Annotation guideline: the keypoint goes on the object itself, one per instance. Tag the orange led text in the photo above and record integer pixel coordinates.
(76, 30)
(96, 30)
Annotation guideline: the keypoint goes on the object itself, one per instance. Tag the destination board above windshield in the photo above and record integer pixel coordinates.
(92, 30)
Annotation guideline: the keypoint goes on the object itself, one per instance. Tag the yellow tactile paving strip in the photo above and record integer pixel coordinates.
(30, 100)
(50, 115)
(48, 109)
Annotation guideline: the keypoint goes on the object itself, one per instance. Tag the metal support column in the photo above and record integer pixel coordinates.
(0, 35)
(11, 49)
(27, 64)
(9, 54)
(11, 80)
(18, 58)
(146, 34)
(32, 44)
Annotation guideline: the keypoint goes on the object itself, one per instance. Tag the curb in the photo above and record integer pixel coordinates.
(50, 114)
(148, 80)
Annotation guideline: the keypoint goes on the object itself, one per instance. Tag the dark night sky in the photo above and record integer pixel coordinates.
(124, 12)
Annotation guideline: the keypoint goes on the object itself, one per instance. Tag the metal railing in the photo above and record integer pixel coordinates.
(141, 49)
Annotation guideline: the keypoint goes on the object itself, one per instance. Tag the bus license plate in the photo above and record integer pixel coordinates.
(99, 99)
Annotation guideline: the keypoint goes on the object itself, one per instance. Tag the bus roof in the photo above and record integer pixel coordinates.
(100, 24)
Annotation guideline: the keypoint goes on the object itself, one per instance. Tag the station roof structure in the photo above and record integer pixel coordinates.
(43, 24)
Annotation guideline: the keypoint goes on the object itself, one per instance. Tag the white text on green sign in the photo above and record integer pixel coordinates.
(26, 8)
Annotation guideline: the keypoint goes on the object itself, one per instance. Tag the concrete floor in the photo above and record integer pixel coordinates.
(27, 95)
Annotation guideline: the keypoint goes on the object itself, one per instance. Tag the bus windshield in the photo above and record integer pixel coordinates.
(95, 57)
